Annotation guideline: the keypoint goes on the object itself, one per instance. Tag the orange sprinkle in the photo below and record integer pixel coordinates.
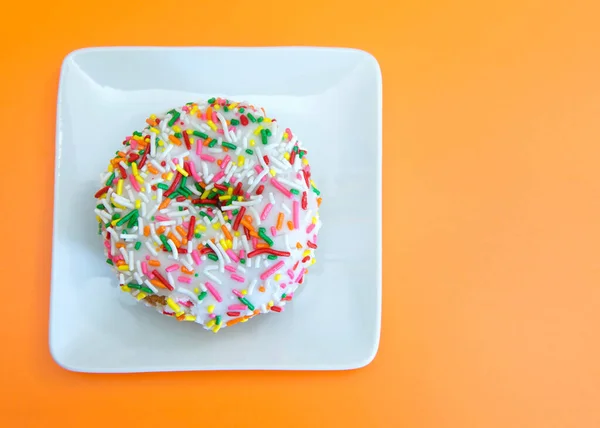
(150, 122)
(152, 169)
(181, 230)
(256, 312)
(253, 233)
(120, 263)
(184, 241)
(226, 232)
(209, 113)
(199, 114)
(319, 201)
(164, 175)
(120, 245)
(173, 139)
(248, 218)
(208, 140)
(176, 241)
(146, 230)
(161, 229)
(262, 289)
(247, 225)
(165, 204)
(186, 270)
(279, 221)
(219, 162)
(289, 223)
(262, 245)
(157, 283)
(298, 245)
(122, 154)
(235, 321)
(153, 262)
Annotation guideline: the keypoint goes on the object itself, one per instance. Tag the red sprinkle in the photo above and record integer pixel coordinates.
(260, 189)
(304, 200)
(205, 201)
(244, 120)
(122, 171)
(306, 177)
(221, 187)
(180, 198)
(101, 191)
(143, 161)
(184, 251)
(163, 163)
(266, 158)
(133, 157)
(276, 308)
(192, 225)
(174, 185)
(239, 217)
(247, 233)
(206, 250)
(233, 314)
(268, 251)
(186, 139)
(162, 279)
(310, 244)
(305, 259)
(238, 189)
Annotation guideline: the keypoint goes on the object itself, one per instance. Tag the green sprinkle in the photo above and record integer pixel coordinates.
(174, 194)
(146, 290)
(202, 295)
(235, 122)
(229, 145)
(180, 208)
(249, 151)
(100, 206)
(133, 221)
(196, 275)
(137, 133)
(295, 149)
(131, 214)
(301, 154)
(263, 136)
(200, 134)
(176, 115)
(163, 239)
(115, 216)
(218, 319)
(212, 100)
(235, 212)
(260, 119)
(263, 235)
(178, 135)
(252, 118)
(138, 245)
(213, 257)
(162, 186)
(268, 132)
(295, 191)
(212, 143)
(110, 179)
(203, 214)
(283, 295)
(272, 257)
(243, 261)
(316, 190)
(110, 262)
(246, 302)
(241, 109)
(134, 286)
(226, 109)
(197, 236)
(182, 183)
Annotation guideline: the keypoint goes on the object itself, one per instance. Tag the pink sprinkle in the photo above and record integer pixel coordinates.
(254, 242)
(247, 195)
(282, 285)
(237, 293)
(290, 273)
(162, 217)
(215, 119)
(133, 144)
(107, 243)
(204, 116)
(134, 183)
(233, 179)
(242, 254)
(148, 257)
(279, 187)
(185, 279)
(271, 270)
(230, 268)
(192, 169)
(218, 176)
(207, 158)
(264, 178)
(145, 268)
(172, 267)
(185, 224)
(266, 211)
(289, 133)
(129, 138)
(232, 129)
(199, 147)
(296, 212)
(213, 315)
(236, 307)
(196, 257)
(310, 228)
(175, 161)
(258, 169)
(273, 231)
(220, 131)
(237, 278)
(300, 275)
(214, 292)
(314, 239)
(186, 303)
(225, 161)
(185, 109)
(231, 254)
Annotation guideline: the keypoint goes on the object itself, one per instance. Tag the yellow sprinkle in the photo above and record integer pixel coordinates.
(241, 160)
(230, 191)
(197, 290)
(217, 226)
(285, 135)
(286, 155)
(99, 219)
(126, 289)
(190, 131)
(152, 116)
(217, 107)
(160, 142)
(137, 138)
(313, 261)
(270, 304)
(111, 168)
(173, 305)
(192, 141)
(194, 110)
(224, 198)
(268, 120)
(306, 253)
(236, 233)
(233, 105)
(257, 130)
(205, 194)
(223, 243)
(211, 124)
(153, 197)
(313, 183)
(143, 189)
(120, 186)
(141, 295)
(210, 308)
(139, 179)
(178, 314)
(169, 176)
(272, 172)
(153, 129)
(190, 318)
(134, 168)
(277, 277)
(176, 128)
(217, 328)
(229, 244)
(314, 220)
(245, 319)
(123, 267)
(201, 228)
(181, 170)
(211, 323)
(252, 143)
(304, 161)
(240, 198)
(244, 292)
(138, 204)
(225, 217)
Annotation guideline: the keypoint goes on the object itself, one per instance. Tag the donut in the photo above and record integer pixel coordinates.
(209, 214)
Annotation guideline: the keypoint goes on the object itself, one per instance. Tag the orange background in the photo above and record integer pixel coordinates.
(491, 216)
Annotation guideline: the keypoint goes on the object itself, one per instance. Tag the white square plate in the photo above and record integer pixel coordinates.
(331, 98)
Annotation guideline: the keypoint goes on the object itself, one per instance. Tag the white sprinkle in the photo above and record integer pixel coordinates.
(179, 213)
(247, 203)
(125, 255)
(245, 244)
(166, 223)
(121, 278)
(122, 201)
(151, 248)
(187, 293)
(271, 198)
(113, 234)
(225, 255)
(285, 208)
(224, 125)
(218, 253)
(150, 286)
(290, 184)
(159, 167)
(211, 276)
(256, 215)
(174, 248)
(128, 236)
(170, 278)
(308, 216)
(188, 265)
(102, 215)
